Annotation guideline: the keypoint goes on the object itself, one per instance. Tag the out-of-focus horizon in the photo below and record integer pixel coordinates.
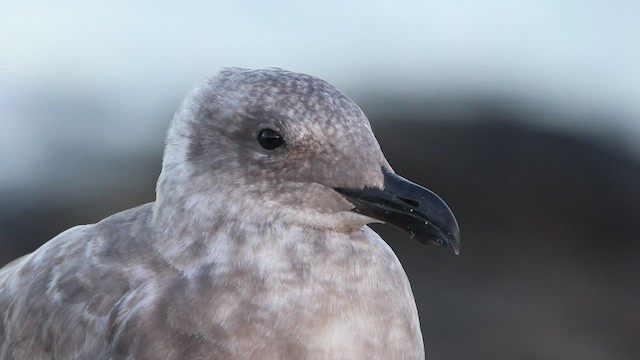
(523, 115)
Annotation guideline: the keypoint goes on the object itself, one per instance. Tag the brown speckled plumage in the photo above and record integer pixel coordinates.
(246, 253)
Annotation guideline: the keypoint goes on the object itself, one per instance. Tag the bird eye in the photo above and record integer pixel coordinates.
(269, 139)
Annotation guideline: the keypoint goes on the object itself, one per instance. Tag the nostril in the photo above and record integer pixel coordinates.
(409, 202)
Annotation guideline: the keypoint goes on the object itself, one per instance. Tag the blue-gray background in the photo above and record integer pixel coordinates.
(523, 115)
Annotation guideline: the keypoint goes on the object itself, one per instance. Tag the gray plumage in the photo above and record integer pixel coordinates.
(247, 253)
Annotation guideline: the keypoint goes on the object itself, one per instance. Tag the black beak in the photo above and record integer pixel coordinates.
(409, 207)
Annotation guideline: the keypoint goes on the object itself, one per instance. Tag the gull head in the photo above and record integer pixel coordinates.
(272, 146)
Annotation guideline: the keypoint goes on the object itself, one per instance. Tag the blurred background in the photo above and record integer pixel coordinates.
(523, 115)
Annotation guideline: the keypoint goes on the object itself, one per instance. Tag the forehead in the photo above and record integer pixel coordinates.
(282, 92)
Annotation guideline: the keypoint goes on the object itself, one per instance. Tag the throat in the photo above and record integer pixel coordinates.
(206, 231)
(227, 245)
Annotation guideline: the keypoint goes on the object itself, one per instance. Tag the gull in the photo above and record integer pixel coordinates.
(256, 247)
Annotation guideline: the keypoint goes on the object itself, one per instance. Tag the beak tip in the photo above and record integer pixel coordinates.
(455, 236)
(453, 240)
(454, 245)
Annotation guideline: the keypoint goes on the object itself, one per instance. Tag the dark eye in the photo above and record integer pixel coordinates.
(269, 139)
